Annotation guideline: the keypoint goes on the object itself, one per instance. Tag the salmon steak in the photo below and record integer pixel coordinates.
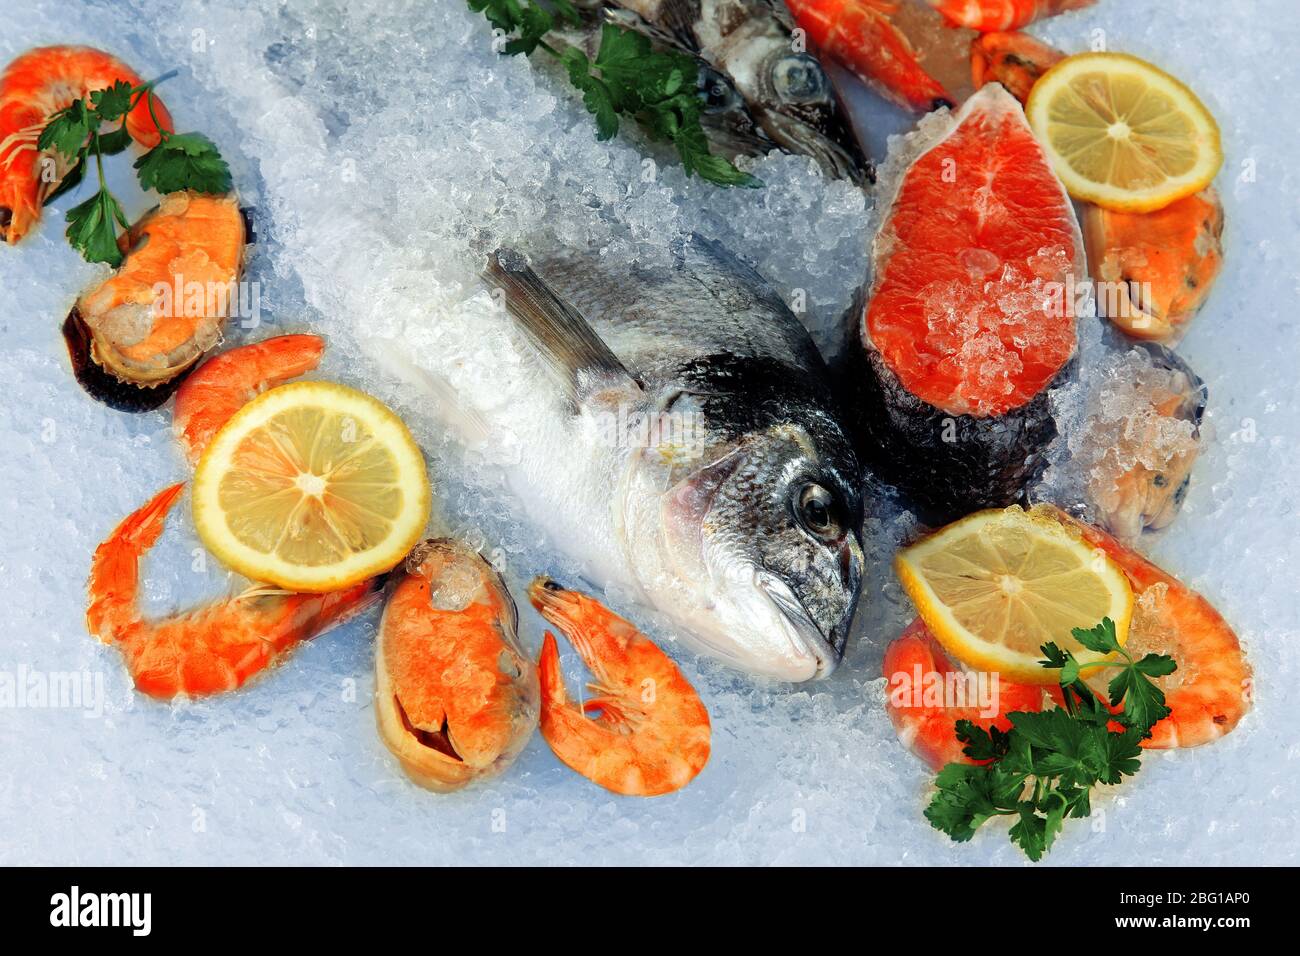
(971, 318)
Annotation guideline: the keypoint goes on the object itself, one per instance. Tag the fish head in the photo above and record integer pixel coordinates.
(761, 547)
(784, 92)
(795, 104)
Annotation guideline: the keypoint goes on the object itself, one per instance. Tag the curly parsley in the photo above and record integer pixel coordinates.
(1043, 770)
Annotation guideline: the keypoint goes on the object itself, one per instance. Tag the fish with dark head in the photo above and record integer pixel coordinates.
(697, 457)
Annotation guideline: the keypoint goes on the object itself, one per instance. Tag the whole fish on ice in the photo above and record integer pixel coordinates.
(680, 442)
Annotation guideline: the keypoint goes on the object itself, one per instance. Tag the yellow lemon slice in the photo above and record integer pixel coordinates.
(311, 486)
(997, 585)
(1122, 133)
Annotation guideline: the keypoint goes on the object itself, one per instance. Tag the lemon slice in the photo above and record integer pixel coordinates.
(997, 585)
(1122, 133)
(312, 487)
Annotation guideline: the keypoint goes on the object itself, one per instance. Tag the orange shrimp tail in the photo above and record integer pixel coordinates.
(859, 36)
(224, 384)
(219, 648)
(1016, 60)
(115, 568)
(35, 86)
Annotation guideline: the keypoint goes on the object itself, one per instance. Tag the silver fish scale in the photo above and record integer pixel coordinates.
(660, 320)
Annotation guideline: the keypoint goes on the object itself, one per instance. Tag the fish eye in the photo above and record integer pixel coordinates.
(798, 78)
(718, 93)
(819, 512)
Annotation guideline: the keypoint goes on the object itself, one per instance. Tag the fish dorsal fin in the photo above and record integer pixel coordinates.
(567, 342)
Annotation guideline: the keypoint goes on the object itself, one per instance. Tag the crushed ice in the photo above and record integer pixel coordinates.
(384, 145)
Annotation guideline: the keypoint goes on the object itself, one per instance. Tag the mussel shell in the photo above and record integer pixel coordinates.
(103, 385)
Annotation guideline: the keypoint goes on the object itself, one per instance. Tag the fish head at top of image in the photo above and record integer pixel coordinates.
(795, 104)
(759, 89)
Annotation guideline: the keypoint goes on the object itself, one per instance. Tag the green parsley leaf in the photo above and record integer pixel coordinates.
(1045, 768)
(565, 10)
(113, 142)
(67, 130)
(596, 95)
(969, 795)
(636, 74)
(628, 77)
(982, 744)
(1101, 638)
(1144, 702)
(534, 23)
(502, 14)
(1030, 832)
(114, 102)
(1123, 756)
(184, 161)
(92, 228)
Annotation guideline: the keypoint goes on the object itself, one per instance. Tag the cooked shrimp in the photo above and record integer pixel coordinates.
(135, 334)
(209, 649)
(1016, 60)
(922, 691)
(34, 87)
(1160, 265)
(455, 696)
(227, 382)
(1211, 689)
(990, 15)
(859, 35)
(652, 733)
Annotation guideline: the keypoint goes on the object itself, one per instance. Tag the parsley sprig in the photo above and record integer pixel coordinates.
(628, 77)
(179, 161)
(1043, 770)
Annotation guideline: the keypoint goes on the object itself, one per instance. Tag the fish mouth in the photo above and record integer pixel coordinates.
(808, 640)
(839, 154)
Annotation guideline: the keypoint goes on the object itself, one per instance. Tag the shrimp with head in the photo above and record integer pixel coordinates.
(34, 87)
(651, 733)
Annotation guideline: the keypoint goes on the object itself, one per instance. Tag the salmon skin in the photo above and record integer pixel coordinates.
(970, 321)
(950, 465)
